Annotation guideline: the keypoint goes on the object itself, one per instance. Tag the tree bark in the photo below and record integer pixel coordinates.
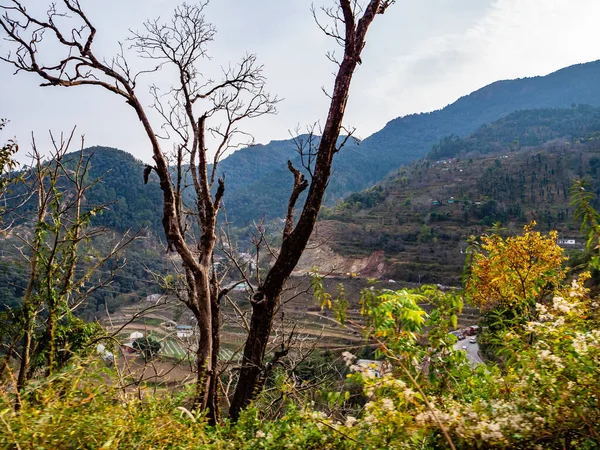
(213, 390)
(266, 300)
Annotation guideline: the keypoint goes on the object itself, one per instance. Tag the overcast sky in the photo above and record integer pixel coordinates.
(420, 56)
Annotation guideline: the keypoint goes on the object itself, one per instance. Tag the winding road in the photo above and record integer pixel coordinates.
(471, 349)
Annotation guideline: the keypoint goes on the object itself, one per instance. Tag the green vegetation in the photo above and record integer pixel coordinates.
(422, 215)
(148, 346)
(420, 393)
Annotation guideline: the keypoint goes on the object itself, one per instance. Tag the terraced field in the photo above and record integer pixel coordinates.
(300, 314)
(173, 348)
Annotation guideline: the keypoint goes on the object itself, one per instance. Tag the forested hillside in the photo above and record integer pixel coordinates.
(120, 185)
(524, 128)
(259, 181)
(133, 203)
(130, 206)
(422, 216)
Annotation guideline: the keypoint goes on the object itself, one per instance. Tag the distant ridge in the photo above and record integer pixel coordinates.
(258, 182)
(407, 138)
(266, 180)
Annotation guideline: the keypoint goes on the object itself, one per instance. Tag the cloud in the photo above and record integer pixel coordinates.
(421, 55)
(511, 39)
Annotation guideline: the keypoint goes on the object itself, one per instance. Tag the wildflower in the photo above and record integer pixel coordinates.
(409, 394)
(580, 345)
(370, 419)
(348, 358)
(260, 434)
(561, 305)
(350, 421)
(387, 404)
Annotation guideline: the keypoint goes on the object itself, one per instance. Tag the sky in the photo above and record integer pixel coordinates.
(420, 56)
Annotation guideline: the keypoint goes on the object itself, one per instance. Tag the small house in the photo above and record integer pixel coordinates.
(184, 331)
(566, 242)
(136, 335)
(376, 369)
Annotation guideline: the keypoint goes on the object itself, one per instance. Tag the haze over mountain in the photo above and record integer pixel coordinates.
(258, 181)
(265, 181)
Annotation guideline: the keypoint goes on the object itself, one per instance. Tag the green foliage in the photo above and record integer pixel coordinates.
(148, 345)
(367, 198)
(72, 337)
(392, 313)
(339, 303)
(589, 218)
(8, 164)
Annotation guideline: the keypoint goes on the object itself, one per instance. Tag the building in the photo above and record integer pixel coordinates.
(135, 335)
(566, 241)
(105, 354)
(184, 331)
(154, 298)
(374, 368)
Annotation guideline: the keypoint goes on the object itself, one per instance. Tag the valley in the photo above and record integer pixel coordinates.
(433, 285)
(412, 226)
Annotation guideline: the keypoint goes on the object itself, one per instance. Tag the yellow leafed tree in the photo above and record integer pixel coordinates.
(517, 271)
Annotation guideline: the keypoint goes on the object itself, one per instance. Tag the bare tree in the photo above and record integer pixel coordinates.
(349, 29)
(194, 107)
(58, 281)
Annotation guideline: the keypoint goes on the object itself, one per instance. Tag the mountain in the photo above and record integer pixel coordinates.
(118, 182)
(259, 182)
(414, 225)
(131, 206)
(410, 137)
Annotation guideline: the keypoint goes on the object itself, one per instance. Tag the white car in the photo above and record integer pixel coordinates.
(464, 347)
(473, 341)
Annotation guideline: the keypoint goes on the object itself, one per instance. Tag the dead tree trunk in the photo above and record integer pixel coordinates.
(213, 392)
(266, 301)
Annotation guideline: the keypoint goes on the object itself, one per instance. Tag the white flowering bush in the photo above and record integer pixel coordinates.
(545, 395)
(419, 393)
